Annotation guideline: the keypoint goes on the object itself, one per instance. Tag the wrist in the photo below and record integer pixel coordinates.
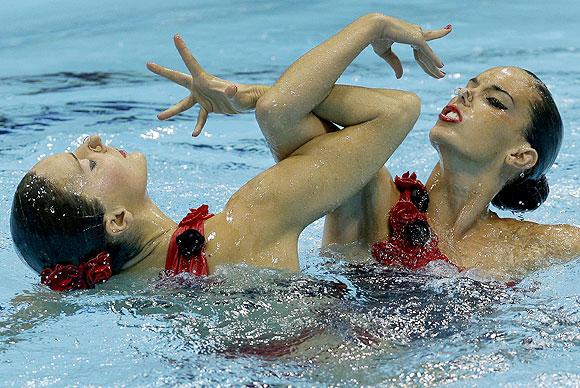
(375, 22)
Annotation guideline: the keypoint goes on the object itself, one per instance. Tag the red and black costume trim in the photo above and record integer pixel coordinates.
(186, 249)
(412, 243)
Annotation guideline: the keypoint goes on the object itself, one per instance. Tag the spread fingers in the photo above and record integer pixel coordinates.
(192, 65)
(181, 106)
(201, 120)
(172, 75)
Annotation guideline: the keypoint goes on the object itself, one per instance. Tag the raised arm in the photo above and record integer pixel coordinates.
(329, 169)
(310, 79)
(222, 96)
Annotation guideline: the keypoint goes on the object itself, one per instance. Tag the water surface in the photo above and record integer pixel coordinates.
(72, 68)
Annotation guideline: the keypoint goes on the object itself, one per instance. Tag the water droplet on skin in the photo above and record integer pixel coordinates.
(211, 236)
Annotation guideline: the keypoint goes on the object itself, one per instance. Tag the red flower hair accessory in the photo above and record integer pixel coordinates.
(68, 277)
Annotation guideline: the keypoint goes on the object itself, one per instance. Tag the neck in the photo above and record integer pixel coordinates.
(460, 197)
(155, 230)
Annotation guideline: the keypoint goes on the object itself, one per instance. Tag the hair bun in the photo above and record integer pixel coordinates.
(522, 195)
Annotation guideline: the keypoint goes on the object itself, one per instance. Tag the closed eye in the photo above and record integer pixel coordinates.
(92, 164)
(496, 103)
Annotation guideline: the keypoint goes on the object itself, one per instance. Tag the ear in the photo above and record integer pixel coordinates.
(522, 158)
(118, 221)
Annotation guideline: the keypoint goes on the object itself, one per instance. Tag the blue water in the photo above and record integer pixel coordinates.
(72, 68)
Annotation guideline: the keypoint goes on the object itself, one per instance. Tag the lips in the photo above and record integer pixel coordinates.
(122, 152)
(450, 114)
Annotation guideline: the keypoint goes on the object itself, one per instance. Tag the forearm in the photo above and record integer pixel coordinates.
(333, 108)
(345, 105)
(309, 80)
(330, 169)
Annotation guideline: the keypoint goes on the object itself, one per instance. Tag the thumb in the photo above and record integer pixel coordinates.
(231, 90)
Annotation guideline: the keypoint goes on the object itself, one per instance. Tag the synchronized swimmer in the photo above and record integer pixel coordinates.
(79, 218)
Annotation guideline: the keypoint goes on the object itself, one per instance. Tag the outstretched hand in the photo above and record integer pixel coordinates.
(399, 31)
(211, 93)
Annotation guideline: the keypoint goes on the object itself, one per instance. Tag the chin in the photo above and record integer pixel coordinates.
(447, 141)
(440, 134)
(138, 156)
(140, 160)
(137, 169)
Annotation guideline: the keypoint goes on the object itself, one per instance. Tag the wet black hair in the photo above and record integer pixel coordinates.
(544, 133)
(50, 225)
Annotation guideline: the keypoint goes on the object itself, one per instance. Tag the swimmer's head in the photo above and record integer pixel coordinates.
(503, 120)
(71, 206)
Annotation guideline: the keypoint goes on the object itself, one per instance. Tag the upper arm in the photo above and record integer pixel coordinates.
(364, 216)
(328, 170)
(322, 174)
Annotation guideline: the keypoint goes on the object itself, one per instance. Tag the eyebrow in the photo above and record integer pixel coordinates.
(474, 80)
(78, 161)
(494, 87)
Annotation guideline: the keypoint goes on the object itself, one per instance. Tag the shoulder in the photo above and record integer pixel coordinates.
(558, 241)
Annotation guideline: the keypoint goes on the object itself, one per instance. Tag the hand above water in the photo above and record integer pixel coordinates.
(213, 94)
(394, 30)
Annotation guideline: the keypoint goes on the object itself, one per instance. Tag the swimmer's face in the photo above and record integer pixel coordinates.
(96, 170)
(487, 119)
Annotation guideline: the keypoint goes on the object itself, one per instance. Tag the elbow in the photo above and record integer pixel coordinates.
(404, 107)
(400, 116)
(263, 109)
(400, 103)
(411, 106)
(268, 112)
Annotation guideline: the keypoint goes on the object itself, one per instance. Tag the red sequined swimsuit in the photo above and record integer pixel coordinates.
(411, 243)
(186, 249)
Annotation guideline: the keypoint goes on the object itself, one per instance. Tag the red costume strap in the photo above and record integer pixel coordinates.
(411, 243)
(186, 249)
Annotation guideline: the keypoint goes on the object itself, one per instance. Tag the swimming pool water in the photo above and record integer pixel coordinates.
(69, 68)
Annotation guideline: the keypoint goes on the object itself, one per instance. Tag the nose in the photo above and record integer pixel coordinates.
(464, 95)
(90, 144)
(95, 144)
